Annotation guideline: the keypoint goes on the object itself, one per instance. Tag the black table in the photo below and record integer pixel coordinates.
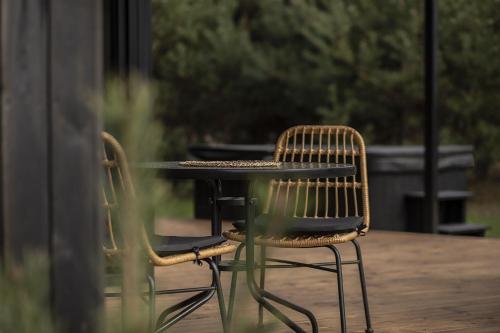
(287, 170)
(214, 175)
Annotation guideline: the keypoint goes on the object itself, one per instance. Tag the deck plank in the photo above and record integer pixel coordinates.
(416, 283)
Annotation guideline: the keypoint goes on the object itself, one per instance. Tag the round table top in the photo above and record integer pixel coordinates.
(287, 170)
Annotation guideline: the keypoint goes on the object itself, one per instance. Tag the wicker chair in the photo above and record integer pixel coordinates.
(314, 213)
(163, 251)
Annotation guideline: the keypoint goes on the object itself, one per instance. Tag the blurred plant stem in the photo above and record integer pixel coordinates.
(24, 295)
(129, 106)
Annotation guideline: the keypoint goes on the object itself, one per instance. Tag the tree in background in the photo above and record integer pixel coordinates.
(243, 71)
(470, 77)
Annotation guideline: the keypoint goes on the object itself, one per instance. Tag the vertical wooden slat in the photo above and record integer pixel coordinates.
(50, 66)
(139, 44)
(25, 210)
(75, 74)
(127, 45)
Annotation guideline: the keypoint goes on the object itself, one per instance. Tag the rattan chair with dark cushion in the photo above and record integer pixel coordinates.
(314, 212)
(161, 250)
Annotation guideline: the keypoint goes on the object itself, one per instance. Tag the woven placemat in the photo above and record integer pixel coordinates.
(232, 164)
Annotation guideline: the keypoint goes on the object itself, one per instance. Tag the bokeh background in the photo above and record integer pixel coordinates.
(242, 71)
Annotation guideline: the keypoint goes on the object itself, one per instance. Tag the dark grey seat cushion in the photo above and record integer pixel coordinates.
(304, 226)
(168, 245)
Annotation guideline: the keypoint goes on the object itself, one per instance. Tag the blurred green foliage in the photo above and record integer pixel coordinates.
(242, 71)
(24, 295)
(127, 107)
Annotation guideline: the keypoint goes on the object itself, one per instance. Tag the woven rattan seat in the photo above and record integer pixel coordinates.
(299, 241)
(168, 245)
(113, 256)
(292, 226)
(301, 232)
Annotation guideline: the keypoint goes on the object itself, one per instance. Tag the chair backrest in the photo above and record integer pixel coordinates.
(117, 184)
(321, 198)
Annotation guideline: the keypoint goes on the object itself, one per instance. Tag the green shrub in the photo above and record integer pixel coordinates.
(24, 296)
(242, 71)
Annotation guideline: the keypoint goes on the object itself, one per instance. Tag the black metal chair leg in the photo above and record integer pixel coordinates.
(191, 304)
(183, 304)
(262, 281)
(257, 294)
(152, 302)
(220, 295)
(340, 285)
(234, 278)
(201, 299)
(295, 307)
(361, 270)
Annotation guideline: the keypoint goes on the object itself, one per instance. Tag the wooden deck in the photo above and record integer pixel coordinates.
(416, 283)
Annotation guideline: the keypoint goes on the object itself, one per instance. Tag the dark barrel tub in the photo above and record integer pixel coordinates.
(393, 173)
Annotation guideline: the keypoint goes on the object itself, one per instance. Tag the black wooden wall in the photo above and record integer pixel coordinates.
(127, 37)
(51, 65)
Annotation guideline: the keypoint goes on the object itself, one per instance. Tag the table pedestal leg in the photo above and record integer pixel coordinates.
(216, 219)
